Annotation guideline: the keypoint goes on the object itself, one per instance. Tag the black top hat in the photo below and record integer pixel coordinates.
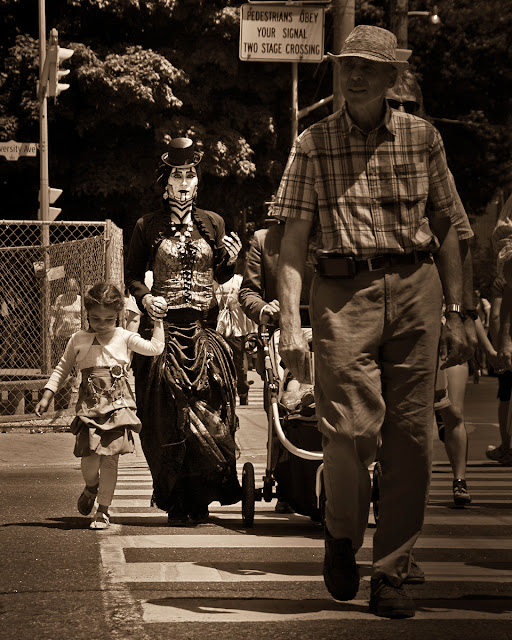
(182, 153)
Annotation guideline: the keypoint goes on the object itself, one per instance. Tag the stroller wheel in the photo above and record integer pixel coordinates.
(377, 475)
(248, 494)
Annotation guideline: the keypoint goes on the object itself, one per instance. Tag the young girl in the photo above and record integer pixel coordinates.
(105, 410)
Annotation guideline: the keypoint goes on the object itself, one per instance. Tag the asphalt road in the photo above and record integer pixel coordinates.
(144, 580)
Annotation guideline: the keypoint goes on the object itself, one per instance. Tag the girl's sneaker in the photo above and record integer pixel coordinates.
(500, 454)
(100, 521)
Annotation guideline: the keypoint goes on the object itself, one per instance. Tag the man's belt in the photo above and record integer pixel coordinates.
(333, 265)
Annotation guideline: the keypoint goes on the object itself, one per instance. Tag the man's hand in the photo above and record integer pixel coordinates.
(453, 345)
(471, 339)
(294, 349)
(270, 312)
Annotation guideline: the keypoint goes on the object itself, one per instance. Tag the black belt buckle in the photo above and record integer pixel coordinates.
(333, 266)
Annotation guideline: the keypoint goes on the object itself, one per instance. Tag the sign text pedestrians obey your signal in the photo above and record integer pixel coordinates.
(281, 33)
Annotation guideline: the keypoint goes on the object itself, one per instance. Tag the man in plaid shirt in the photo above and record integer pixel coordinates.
(367, 192)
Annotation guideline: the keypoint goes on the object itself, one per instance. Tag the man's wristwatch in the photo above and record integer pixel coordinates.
(471, 313)
(454, 308)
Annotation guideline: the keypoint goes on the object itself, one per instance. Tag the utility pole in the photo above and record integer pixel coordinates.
(343, 23)
(399, 21)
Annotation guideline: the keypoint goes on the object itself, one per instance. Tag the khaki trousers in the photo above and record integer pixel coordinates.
(375, 339)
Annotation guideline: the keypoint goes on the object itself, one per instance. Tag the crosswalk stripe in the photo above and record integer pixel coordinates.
(435, 515)
(240, 541)
(268, 571)
(168, 610)
(130, 492)
(113, 557)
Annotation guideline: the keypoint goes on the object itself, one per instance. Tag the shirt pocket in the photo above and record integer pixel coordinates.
(401, 192)
(402, 183)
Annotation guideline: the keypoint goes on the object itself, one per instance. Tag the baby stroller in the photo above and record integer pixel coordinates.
(294, 444)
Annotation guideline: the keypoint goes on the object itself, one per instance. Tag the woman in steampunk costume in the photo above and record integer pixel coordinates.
(185, 397)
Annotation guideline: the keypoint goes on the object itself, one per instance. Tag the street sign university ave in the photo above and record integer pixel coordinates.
(281, 33)
(12, 150)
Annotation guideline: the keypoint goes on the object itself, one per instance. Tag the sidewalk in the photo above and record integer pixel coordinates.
(21, 448)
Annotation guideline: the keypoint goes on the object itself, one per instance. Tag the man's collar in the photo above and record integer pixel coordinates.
(347, 124)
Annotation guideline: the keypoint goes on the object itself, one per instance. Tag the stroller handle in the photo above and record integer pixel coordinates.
(300, 453)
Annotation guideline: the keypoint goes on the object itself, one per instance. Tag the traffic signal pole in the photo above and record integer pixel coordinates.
(43, 123)
(44, 184)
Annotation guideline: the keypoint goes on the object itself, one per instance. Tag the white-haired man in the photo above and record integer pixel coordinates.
(367, 189)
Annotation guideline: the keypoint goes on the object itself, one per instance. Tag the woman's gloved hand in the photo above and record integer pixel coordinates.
(233, 245)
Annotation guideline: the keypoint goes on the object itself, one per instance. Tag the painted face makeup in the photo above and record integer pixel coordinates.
(182, 184)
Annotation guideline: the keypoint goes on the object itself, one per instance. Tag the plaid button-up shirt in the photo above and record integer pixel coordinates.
(368, 194)
(502, 236)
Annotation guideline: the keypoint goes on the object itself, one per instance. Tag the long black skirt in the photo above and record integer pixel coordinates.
(186, 401)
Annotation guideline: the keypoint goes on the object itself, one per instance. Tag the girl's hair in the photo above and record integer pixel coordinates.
(408, 83)
(104, 294)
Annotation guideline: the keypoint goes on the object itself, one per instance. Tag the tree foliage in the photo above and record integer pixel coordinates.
(147, 70)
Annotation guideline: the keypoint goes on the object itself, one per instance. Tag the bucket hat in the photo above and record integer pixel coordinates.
(372, 43)
(182, 152)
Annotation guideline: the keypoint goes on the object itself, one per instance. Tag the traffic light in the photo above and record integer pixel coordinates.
(57, 55)
(53, 212)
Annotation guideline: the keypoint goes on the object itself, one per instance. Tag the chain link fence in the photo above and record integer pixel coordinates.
(45, 270)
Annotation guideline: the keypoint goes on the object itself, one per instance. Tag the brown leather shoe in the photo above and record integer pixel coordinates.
(341, 573)
(388, 601)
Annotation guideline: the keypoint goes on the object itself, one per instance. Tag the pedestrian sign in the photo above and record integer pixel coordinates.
(281, 33)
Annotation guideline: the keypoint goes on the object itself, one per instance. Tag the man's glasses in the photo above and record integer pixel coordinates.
(410, 106)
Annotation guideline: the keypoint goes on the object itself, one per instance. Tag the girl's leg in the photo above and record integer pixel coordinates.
(90, 466)
(108, 481)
